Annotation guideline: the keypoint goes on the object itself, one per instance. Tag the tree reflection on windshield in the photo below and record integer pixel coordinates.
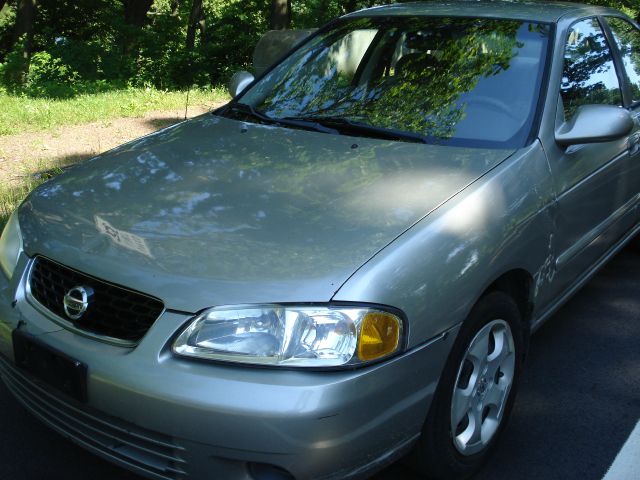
(447, 79)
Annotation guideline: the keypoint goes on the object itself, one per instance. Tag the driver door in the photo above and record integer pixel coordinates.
(590, 178)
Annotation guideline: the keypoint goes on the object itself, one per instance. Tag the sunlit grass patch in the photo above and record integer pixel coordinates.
(19, 113)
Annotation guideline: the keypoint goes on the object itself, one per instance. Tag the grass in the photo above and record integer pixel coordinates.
(19, 114)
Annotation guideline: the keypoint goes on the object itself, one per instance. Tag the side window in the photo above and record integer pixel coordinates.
(628, 39)
(589, 75)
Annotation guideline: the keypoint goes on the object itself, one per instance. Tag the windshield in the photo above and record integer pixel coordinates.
(458, 81)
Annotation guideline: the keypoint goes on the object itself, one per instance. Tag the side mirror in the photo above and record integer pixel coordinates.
(594, 124)
(239, 82)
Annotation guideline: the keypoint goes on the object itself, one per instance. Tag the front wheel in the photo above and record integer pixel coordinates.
(475, 393)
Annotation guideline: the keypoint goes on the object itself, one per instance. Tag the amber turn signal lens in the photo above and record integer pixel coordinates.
(379, 335)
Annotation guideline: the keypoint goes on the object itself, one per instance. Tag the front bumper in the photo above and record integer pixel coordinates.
(170, 418)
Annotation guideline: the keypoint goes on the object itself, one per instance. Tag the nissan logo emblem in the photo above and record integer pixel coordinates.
(76, 302)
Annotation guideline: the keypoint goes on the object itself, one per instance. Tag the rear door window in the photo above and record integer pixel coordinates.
(627, 37)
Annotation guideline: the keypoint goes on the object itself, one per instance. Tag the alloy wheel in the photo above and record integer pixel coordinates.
(482, 387)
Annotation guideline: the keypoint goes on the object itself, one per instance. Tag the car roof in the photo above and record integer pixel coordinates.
(541, 11)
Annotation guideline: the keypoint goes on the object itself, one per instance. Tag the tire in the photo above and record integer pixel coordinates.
(476, 388)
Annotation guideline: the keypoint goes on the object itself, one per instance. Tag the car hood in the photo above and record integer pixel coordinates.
(215, 211)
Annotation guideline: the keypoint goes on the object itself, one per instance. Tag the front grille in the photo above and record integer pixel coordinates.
(113, 311)
(148, 453)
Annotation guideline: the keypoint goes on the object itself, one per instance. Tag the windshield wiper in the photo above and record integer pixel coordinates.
(345, 125)
(287, 122)
(248, 109)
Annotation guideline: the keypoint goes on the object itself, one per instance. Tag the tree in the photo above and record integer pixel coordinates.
(135, 17)
(23, 32)
(280, 14)
(196, 20)
(25, 15)
(135, 12)
(350, 5)
(174, 8)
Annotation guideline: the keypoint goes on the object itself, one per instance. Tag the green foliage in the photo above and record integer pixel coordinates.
(47, 76)
(46, 73)
(82, 45)
(7, 21)
(315, 13)
(630, 7)
(12, 67)
(235, 28)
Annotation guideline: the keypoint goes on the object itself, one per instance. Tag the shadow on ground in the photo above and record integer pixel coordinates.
(158, 123)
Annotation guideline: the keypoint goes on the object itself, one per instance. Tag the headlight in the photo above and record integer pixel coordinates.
(10, 245)
(297, 336)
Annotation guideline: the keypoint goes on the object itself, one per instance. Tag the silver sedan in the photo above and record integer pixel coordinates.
(343, 265)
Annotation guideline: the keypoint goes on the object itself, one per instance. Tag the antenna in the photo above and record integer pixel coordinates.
(186, 104)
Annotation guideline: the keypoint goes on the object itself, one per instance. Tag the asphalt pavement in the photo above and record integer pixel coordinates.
(579, 399)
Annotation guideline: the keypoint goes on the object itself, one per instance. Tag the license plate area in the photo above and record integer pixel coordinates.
(54, 368)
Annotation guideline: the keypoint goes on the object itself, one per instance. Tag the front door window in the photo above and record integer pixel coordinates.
(589, 75)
